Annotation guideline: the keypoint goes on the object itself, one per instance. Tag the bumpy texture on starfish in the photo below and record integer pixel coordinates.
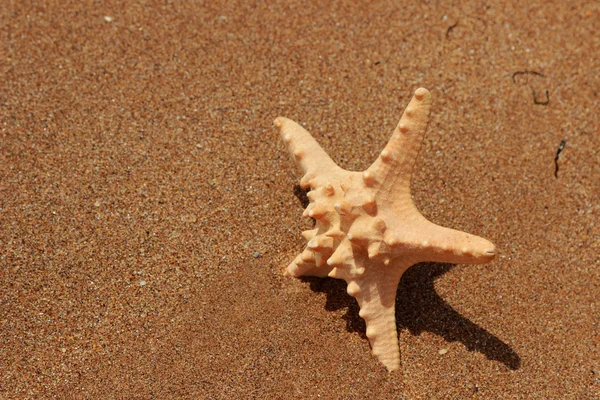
(368, 231)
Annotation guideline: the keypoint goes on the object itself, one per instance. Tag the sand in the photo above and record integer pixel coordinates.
(147, 205)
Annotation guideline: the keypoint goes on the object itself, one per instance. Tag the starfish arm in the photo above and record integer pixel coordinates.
(392, 170)
(431, 242)
(376, 296)
(307, 153)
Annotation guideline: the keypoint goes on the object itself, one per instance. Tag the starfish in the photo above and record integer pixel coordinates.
(368, 230)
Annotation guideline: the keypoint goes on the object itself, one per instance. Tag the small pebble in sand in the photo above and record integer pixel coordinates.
(189, 218)
(142, 283)
(443, 351)
(256, 254)
(108, 18)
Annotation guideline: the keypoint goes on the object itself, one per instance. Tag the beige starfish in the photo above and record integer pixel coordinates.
(368, 231)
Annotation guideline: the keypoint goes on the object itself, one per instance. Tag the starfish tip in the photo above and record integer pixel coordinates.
(421, 93)
(490, 252)
(484, 252)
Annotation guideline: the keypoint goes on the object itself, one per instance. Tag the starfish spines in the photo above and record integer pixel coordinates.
(353, 289)
(318, 211)
(343, 207)
(385, 156)
(337, 259)
(334, 232)
(328, 190)
(308, 256)
(335, 273)
(297, 269)
(369, 178)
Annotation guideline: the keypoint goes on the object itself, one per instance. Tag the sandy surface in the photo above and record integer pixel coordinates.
(147, 204)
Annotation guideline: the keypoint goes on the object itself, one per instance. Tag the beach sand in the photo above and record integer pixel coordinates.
(148, 206)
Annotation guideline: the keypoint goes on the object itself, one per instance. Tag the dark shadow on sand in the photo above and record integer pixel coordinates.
(301, 195)
(419, 308)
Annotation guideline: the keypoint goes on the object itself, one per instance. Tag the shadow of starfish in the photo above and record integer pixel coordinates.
(301, 195)
(419, 308)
